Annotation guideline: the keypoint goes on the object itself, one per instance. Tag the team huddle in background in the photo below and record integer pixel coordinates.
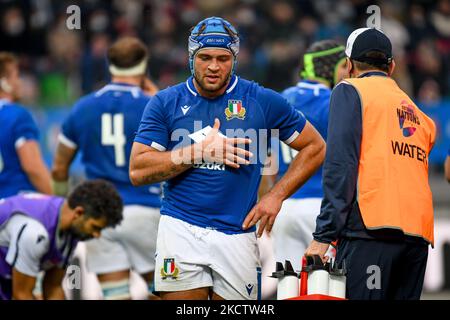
(177, 187)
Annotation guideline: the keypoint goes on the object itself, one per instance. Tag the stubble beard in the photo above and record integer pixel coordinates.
(200, 82)
(80, 235)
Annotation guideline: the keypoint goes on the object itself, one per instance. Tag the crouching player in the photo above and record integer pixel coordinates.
(39, 233)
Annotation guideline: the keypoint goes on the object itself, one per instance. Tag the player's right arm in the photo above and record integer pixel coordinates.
(33, 165)
(26, 136)
(29, 243)
(65, 153)
(22, 286)
(149, 165)
(60, 171)
(52, 284)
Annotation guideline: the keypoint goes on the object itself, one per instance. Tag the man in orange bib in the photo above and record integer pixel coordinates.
(377, 200)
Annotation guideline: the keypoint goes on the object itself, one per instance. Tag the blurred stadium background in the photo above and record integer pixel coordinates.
(59, 65)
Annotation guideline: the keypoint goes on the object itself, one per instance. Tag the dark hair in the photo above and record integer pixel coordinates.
(127, 52)
(99, 198)
(372, 55)
(324, 66)
(6, 59)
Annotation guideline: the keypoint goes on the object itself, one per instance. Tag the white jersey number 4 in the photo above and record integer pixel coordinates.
(113, 135)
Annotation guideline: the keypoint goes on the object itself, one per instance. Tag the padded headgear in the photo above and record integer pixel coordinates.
(213, 32)
(321, 60)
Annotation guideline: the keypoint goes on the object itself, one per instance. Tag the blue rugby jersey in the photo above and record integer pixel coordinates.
(17, 126)
(214, 195)
(102, 125)
(312, 99)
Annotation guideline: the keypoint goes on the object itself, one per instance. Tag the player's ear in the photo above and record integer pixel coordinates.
(349, 65)
(391, 68)
(78, 211)
(5, 86)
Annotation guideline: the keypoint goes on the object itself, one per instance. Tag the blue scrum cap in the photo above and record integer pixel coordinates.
(213, 32)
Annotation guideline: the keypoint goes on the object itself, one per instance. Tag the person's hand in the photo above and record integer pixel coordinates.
(264, 211)
(149, 87)
(318, 248)
(219, 149)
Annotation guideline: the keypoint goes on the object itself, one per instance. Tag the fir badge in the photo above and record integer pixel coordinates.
(169, 270)
(235, 110)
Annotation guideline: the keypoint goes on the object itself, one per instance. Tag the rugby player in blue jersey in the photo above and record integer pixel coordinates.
(21, 165)
(102, 126)
(323, 67)
(194, 137)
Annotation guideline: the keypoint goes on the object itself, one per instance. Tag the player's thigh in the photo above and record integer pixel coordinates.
(296, 215)
(182, 257)
(293, 228)
(106, 254)
(310, 209)
(138, 234)
(236, 266)
(193, 294)
(114, 276)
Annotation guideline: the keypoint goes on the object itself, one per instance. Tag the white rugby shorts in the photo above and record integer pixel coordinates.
(130, 245)
(293, 228)
(190, 257)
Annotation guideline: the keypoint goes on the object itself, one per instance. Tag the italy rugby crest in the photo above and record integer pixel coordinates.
(235, 110)
(169, 270)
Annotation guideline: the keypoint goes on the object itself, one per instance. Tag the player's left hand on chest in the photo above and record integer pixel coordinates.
(265, 211)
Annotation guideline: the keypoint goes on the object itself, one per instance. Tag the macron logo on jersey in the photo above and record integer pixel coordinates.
(249, 288)
(185, 109)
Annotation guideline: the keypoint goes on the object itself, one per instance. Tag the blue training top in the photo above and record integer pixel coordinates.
(312, 99)
(214, 195)
(102, 125)
(17, 127)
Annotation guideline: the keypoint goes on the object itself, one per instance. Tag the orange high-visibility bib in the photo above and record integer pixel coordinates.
(397, 137)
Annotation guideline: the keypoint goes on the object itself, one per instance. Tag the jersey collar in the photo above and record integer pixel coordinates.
(373, 73)
(312, 85)
(191, 88)
(3, 102)
(308, 84)
(118, 86)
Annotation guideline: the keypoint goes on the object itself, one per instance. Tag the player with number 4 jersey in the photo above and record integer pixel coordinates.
(102, 126)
